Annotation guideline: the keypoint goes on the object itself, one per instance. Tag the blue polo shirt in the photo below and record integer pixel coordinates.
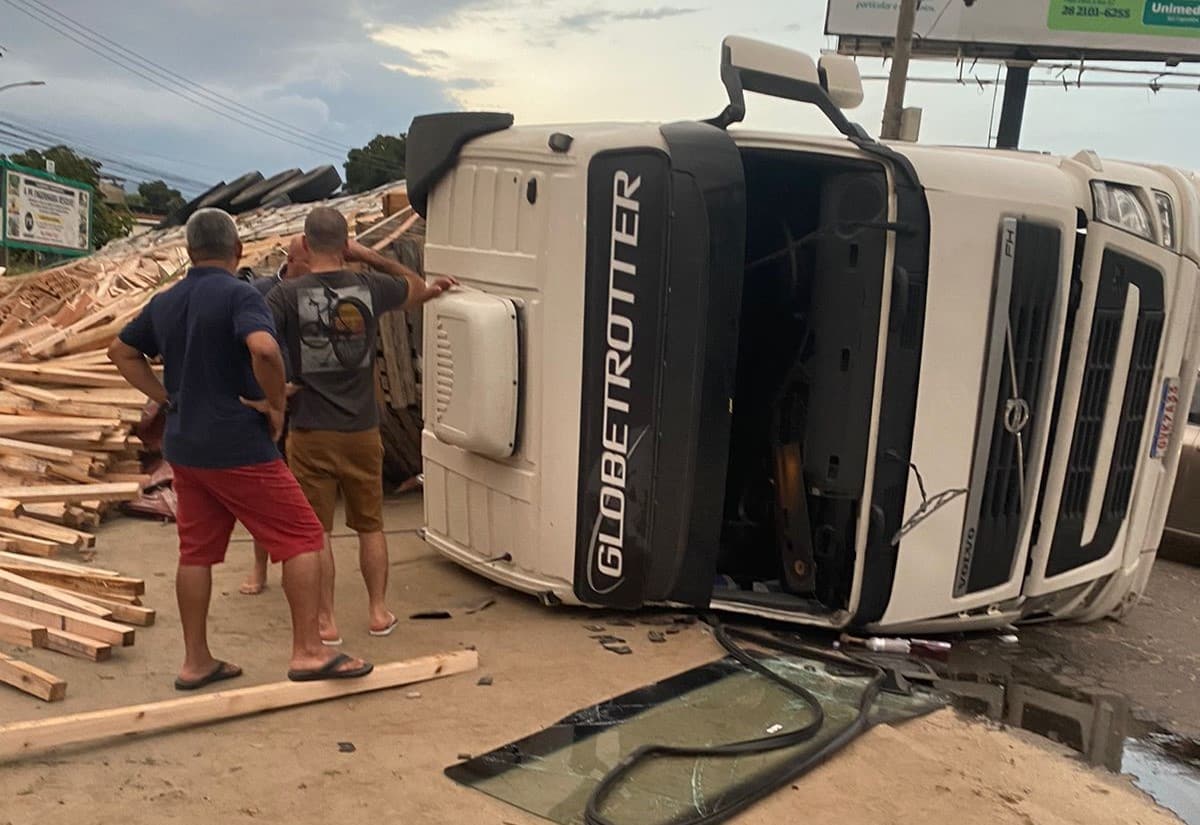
(199, 328)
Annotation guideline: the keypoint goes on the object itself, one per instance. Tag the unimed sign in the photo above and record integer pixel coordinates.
(1030, 28)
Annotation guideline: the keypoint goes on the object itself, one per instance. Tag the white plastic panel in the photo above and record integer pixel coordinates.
(474, 372)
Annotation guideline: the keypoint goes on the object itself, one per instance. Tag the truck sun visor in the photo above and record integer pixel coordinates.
(434, 142)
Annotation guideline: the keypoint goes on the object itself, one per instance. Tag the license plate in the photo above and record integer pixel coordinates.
(1168, 408)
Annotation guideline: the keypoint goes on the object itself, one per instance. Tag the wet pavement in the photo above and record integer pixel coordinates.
(1123, 694)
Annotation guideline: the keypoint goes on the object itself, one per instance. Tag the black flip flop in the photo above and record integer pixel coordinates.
(330, 671)
(219, 674)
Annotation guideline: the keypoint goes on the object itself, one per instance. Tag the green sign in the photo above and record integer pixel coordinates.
(44, 212)
(1163, 18)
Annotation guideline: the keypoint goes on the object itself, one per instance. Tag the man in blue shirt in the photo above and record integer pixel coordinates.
(224, 391)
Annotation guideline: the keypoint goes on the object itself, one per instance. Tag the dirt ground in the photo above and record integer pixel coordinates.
(286, 766)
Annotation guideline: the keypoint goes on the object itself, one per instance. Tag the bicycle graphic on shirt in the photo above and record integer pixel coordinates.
(334, 327)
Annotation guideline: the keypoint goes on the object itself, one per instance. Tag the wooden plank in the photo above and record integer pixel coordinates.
(123, 611)
(23, 465)
(16, 585)
(115, 491)
(30, 549)
(70, 472)
(10, 508)
(22, 738)
(78, 583)
(42, 530)
(55, 512)
(36, 682)
(38, 394)
(20, 632)
(27, 424)
(66, 566)
(59, 618)
(37, 374)
(11, 446)
(80, 647)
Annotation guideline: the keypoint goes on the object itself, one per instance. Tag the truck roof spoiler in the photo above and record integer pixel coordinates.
(754, 66)
(434, 142)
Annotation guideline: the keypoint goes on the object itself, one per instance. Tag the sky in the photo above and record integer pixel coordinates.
(295, 83)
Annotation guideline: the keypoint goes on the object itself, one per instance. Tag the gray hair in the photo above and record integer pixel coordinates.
(326, 231)
(212, 236)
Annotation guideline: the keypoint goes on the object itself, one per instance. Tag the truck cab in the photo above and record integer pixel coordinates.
(823, 380)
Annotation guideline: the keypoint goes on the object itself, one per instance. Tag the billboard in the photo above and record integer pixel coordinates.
(44, 212)
(1029, 29)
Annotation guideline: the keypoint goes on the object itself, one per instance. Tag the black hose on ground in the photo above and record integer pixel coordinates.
(786, 773)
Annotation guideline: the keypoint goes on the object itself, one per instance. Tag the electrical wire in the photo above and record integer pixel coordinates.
(162, 71)
(786, 772)
(171, 89)
(27, 139)
(182, 87)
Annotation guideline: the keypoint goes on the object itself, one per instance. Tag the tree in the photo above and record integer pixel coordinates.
(380, 161)
(108, 222)
(155, 197)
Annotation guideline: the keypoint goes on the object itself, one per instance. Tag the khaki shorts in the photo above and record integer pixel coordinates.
(325, 461)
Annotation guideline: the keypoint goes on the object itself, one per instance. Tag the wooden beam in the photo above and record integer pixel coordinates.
(39, 683)
(16, 585)
(21, 738)
(20, 632)
(84, 570)
(58, 618)
(13, 446)
(116, 491)
(80, 647)
(77, 583)
(37, 374)
(10, 508)
(124, 611)
(42, 530)
(29, 424)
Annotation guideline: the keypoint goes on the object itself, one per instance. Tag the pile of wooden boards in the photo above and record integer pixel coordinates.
(71, 609)
(67, 417)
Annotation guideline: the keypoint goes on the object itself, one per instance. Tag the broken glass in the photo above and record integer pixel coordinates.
(553, 772)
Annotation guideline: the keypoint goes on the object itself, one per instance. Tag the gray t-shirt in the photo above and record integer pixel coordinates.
(328, 322)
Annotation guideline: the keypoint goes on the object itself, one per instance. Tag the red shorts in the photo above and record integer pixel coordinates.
(265, 498)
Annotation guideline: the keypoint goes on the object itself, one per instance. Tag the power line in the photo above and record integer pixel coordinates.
(176, 84)
(157, 82)
(981, 82)
(25, 140)
(203, 91)
(50, 138)
(125, 150)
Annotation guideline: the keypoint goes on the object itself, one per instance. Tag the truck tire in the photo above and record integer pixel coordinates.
(254, 195)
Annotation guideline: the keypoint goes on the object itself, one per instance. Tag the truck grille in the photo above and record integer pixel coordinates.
(1019, 384)
(1117, 274)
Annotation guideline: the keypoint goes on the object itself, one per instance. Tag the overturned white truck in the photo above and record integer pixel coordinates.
(830, 381)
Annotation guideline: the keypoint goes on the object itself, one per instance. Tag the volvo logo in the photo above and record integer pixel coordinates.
(1016, 415)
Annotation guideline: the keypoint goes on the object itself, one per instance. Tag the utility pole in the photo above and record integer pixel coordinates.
(898, 79)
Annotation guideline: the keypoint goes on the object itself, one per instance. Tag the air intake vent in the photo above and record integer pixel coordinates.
(1014, 405)
(1117, 273)
(444, 370)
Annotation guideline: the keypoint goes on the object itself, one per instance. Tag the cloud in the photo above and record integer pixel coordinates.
(589, 21)
(309, 63)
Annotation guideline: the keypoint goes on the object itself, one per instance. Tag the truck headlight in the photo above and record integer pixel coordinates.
(1120, 206)
(1166, 218)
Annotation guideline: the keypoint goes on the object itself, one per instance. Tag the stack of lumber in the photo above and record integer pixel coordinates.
(68, 418)
(71, 609)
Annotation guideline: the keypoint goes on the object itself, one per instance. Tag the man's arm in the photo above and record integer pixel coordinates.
(267, 362)
(135, 369)
(419, 290)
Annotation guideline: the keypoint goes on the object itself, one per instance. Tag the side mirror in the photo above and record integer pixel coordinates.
(768, 59)
(841, 80)
(753, 66)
